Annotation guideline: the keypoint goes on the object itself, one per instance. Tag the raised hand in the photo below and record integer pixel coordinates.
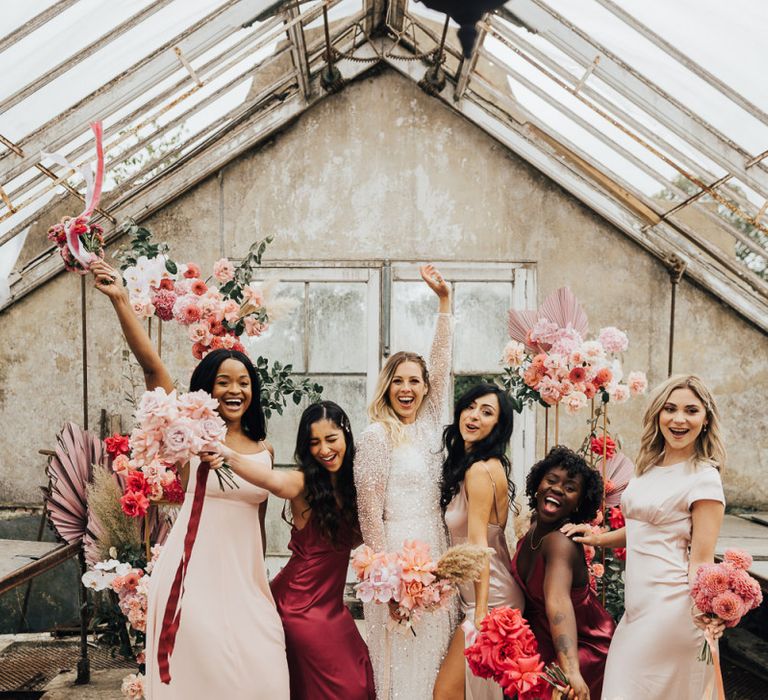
(435, 281)
(107, 280)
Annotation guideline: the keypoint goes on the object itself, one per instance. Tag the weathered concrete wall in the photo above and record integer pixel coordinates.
(383, 171)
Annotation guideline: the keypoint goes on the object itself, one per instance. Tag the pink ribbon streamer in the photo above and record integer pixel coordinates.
(92, 194)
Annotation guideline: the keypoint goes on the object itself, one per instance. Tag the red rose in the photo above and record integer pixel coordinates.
(117, 445)
(616, 518)
(597, 446)
(173, 492)
(134, 504)
(198, 350)
(136, 482)
(620, 553)
(217, 327)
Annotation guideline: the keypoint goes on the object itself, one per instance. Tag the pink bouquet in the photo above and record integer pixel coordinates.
(505, 650)
(408, 577)
(726, 590)
(170, 430)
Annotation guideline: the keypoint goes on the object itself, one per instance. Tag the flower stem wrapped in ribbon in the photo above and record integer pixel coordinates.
(79, 241)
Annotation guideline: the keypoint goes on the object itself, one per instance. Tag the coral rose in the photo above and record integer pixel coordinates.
(134, 504)
(223, 270)
(192, 271)
(117, 444)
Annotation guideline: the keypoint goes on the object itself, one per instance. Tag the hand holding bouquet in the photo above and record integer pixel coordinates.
(410, 582)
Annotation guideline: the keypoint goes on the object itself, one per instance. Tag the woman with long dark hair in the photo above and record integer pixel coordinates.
(229, 638)
(475, 495)
(571, 627)
(327, 657)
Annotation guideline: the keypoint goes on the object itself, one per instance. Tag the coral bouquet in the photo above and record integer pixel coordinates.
(505, 650)
(411, 579)
(727, 591)
(170, 430)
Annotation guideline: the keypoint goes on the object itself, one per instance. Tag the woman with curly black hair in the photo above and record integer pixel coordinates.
(571, 627)
(475, 495)
(327, 658)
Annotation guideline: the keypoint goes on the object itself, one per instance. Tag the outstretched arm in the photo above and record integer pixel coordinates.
(441, 353)
(561, 556)
(371, 471)
(480, 496)
(283, 483)
(584, 534)
(108, 282)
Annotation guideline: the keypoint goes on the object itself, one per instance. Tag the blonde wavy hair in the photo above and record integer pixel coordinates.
(709, 443)
(380, 410)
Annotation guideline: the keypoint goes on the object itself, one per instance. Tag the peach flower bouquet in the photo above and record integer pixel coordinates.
(412, 580)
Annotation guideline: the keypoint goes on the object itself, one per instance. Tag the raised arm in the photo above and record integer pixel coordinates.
(561, 557)
(371, 471)
(441, 352)
(107, 281)
(583, 533)
(283, 483)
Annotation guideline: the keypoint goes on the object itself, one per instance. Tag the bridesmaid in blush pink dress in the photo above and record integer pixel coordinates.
(327, 657)
(673, 510)
(475, 495)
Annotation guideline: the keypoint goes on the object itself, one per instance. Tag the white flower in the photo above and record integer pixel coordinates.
(106, 565)
(98, 580)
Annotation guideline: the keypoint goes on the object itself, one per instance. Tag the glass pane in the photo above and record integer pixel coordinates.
(481, 325)
(284, 339)
(338, 326)
(349, 393)
(414, 308)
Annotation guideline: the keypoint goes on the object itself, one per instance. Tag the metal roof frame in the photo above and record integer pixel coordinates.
(386, 31)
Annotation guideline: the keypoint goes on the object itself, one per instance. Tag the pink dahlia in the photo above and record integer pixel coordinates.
(738, 558)
(728, 606)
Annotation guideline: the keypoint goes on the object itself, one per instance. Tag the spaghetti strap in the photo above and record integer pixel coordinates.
(493, 483)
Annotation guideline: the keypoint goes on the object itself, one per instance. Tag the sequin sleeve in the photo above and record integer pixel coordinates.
(440, 359)
(371, 470)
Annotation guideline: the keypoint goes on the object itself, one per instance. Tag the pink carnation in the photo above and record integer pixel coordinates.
(613, 340)
(164, 301)
(738, 558)
(223, 270)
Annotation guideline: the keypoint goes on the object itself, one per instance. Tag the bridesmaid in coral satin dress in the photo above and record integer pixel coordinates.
(571, 627)
(327, 658)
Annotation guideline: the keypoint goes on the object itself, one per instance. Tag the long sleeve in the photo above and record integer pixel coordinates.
(371, 471)
(440, 360)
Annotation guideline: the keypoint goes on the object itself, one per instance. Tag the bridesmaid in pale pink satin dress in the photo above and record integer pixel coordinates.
(475, 495)
(673, 510)
(229, 643)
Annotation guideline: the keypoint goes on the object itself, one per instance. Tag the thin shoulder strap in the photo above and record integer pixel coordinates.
(493, 483)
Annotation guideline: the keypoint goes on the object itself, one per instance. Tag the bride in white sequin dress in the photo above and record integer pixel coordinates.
(397, 474)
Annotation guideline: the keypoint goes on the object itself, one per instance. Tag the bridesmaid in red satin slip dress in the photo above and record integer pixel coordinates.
(327, 657)
(571, 627)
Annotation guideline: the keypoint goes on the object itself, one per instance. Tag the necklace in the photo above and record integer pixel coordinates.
(534, 547)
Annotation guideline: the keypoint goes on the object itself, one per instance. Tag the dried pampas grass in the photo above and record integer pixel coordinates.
(463, 562)
(111, 527)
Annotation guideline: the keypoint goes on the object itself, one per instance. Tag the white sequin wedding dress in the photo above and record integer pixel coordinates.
(398, 490)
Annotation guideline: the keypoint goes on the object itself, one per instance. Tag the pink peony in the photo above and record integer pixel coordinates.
(619, 393)
(738, 558)
(121, 464)
(133, 686)
(200, 333)
(574, 402)
(613, 340)
(514, 354)
(637, 382)
(163, 301)
(142, 307)
(223, 270)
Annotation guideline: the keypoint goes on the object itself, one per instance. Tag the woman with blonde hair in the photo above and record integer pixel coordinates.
(397, 475)
(673, 510)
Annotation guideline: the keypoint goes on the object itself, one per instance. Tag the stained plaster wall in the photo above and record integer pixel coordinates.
(383, 171)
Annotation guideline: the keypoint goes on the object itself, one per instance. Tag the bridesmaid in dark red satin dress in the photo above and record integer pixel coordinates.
(571, 627)
(327, 657)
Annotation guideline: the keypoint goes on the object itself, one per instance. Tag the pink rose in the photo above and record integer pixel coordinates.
(133, 686)
(514, 354)
(619, 393)
(253, 294)
(200, 333)
(253, 327)
(637, 382)
(186, 310)
(574, 402)
(223, 270)
(179, 440)
(142, 307)
(121, 464)
(231, 310)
